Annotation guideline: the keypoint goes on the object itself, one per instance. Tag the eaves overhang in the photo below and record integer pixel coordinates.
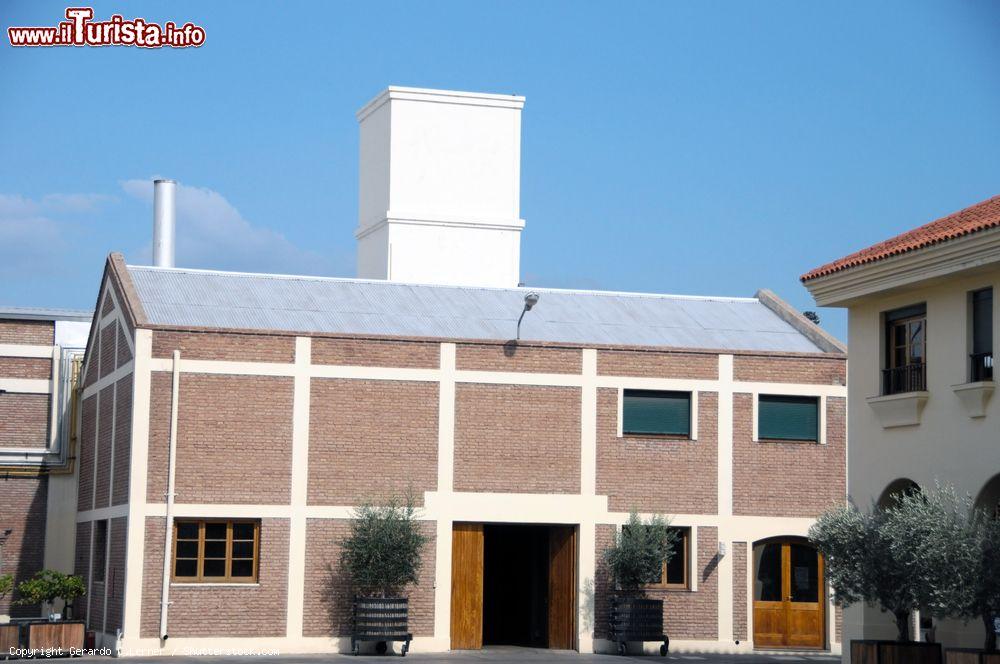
(961, 255)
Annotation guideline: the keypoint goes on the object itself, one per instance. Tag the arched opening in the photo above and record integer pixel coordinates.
(988, 499)
(897, 488)
(789, 598)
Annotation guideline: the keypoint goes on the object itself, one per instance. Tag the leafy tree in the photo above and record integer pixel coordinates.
(862, 565)
(383, 552)
(986, 596)
(639, 551)
(49, 585)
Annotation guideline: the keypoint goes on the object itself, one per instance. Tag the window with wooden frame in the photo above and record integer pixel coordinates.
(905, 350)
(674, 575)
(216, 551)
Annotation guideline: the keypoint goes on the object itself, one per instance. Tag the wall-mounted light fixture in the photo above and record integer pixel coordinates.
(530, 300)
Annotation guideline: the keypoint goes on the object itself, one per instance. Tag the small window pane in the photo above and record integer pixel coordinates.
(215, 549)
(185, 567)
(242, 549)
(215, 567)
(243, 531)
(242, 568)
(805, 574)
(767, 586)
(187, 548)
(215, 530)
(187, 530)
(677, 565)
(787, 418)
(653, 412)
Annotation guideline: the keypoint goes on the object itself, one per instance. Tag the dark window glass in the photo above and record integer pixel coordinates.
(787, 418)
(905, 350)
(654, 412)
(215, 530)
(186, 567)
(243, 549)
(215, 548)
(187, 530)
(767, 586)
(805, 573)
(187, 548)
(982, 321)
(243, 568)
(214, 567)
(243, 531)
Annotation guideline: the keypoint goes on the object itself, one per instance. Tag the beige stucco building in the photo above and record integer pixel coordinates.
(920, 396)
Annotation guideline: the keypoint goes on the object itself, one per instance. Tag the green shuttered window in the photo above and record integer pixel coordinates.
(787, 418)
(654, 412)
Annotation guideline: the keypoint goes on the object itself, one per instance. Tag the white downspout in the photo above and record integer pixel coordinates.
(171, 463)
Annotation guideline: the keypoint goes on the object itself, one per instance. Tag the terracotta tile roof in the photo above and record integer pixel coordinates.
(978, 217)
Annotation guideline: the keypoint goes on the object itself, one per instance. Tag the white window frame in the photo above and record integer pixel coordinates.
(693, 435)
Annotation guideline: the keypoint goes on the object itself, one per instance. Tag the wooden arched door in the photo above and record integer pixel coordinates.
(789, 602)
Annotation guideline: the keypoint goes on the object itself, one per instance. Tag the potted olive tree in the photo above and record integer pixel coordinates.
(44, 588)
(382, 556)
(917, 554)
(635, 559)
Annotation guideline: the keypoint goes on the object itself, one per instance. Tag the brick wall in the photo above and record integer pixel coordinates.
(686, 614)
(657, 364)
(108, 349)
(118, 536)
(124, 354)
(231, 347)
(81, 564)
(123, 440)
(31, 332)
(37, 368)
(740, 586)
(371, 439)
(769, 368)
(511, 357)
(517, 438)
(328, 594)
(23, 503)
(105, 425)
(656, 473)
(88, 447)
(376, 353)
(238, 610)
(24, 419)
(234, 439)
(788, 478)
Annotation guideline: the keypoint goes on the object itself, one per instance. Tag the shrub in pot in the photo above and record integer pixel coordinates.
(636, 558)
(381, 557)
(6, 586)
(44, 588)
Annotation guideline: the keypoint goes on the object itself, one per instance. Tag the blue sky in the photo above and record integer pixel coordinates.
(697, 148)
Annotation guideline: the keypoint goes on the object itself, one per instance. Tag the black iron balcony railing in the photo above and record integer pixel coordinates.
(982, 367)
(907, 378)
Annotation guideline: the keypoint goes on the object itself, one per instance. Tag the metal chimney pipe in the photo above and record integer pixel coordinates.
(164, 222)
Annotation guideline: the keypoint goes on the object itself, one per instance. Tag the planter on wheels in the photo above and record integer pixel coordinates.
(970, 656)
(870, 651)
(634, 619)
(381, 619)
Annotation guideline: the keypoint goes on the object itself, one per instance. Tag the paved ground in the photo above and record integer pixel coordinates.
(502, 655)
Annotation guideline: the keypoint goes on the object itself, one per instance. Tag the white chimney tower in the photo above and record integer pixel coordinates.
(440, 197)
(164, 222)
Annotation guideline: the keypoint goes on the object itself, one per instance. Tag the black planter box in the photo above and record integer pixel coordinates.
(381, 619)
(871, 651)
(635, 619)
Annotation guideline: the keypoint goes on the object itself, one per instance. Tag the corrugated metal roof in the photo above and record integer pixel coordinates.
(42, 313)
(202, 298)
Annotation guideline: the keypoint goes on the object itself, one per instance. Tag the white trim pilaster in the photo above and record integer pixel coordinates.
(299, 490)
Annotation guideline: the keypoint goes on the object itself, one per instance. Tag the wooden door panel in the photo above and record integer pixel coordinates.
(769, 626)
(562, 587)
(467, 586)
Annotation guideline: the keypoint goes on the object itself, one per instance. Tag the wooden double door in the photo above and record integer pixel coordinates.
(789, 597)
(557, 557)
